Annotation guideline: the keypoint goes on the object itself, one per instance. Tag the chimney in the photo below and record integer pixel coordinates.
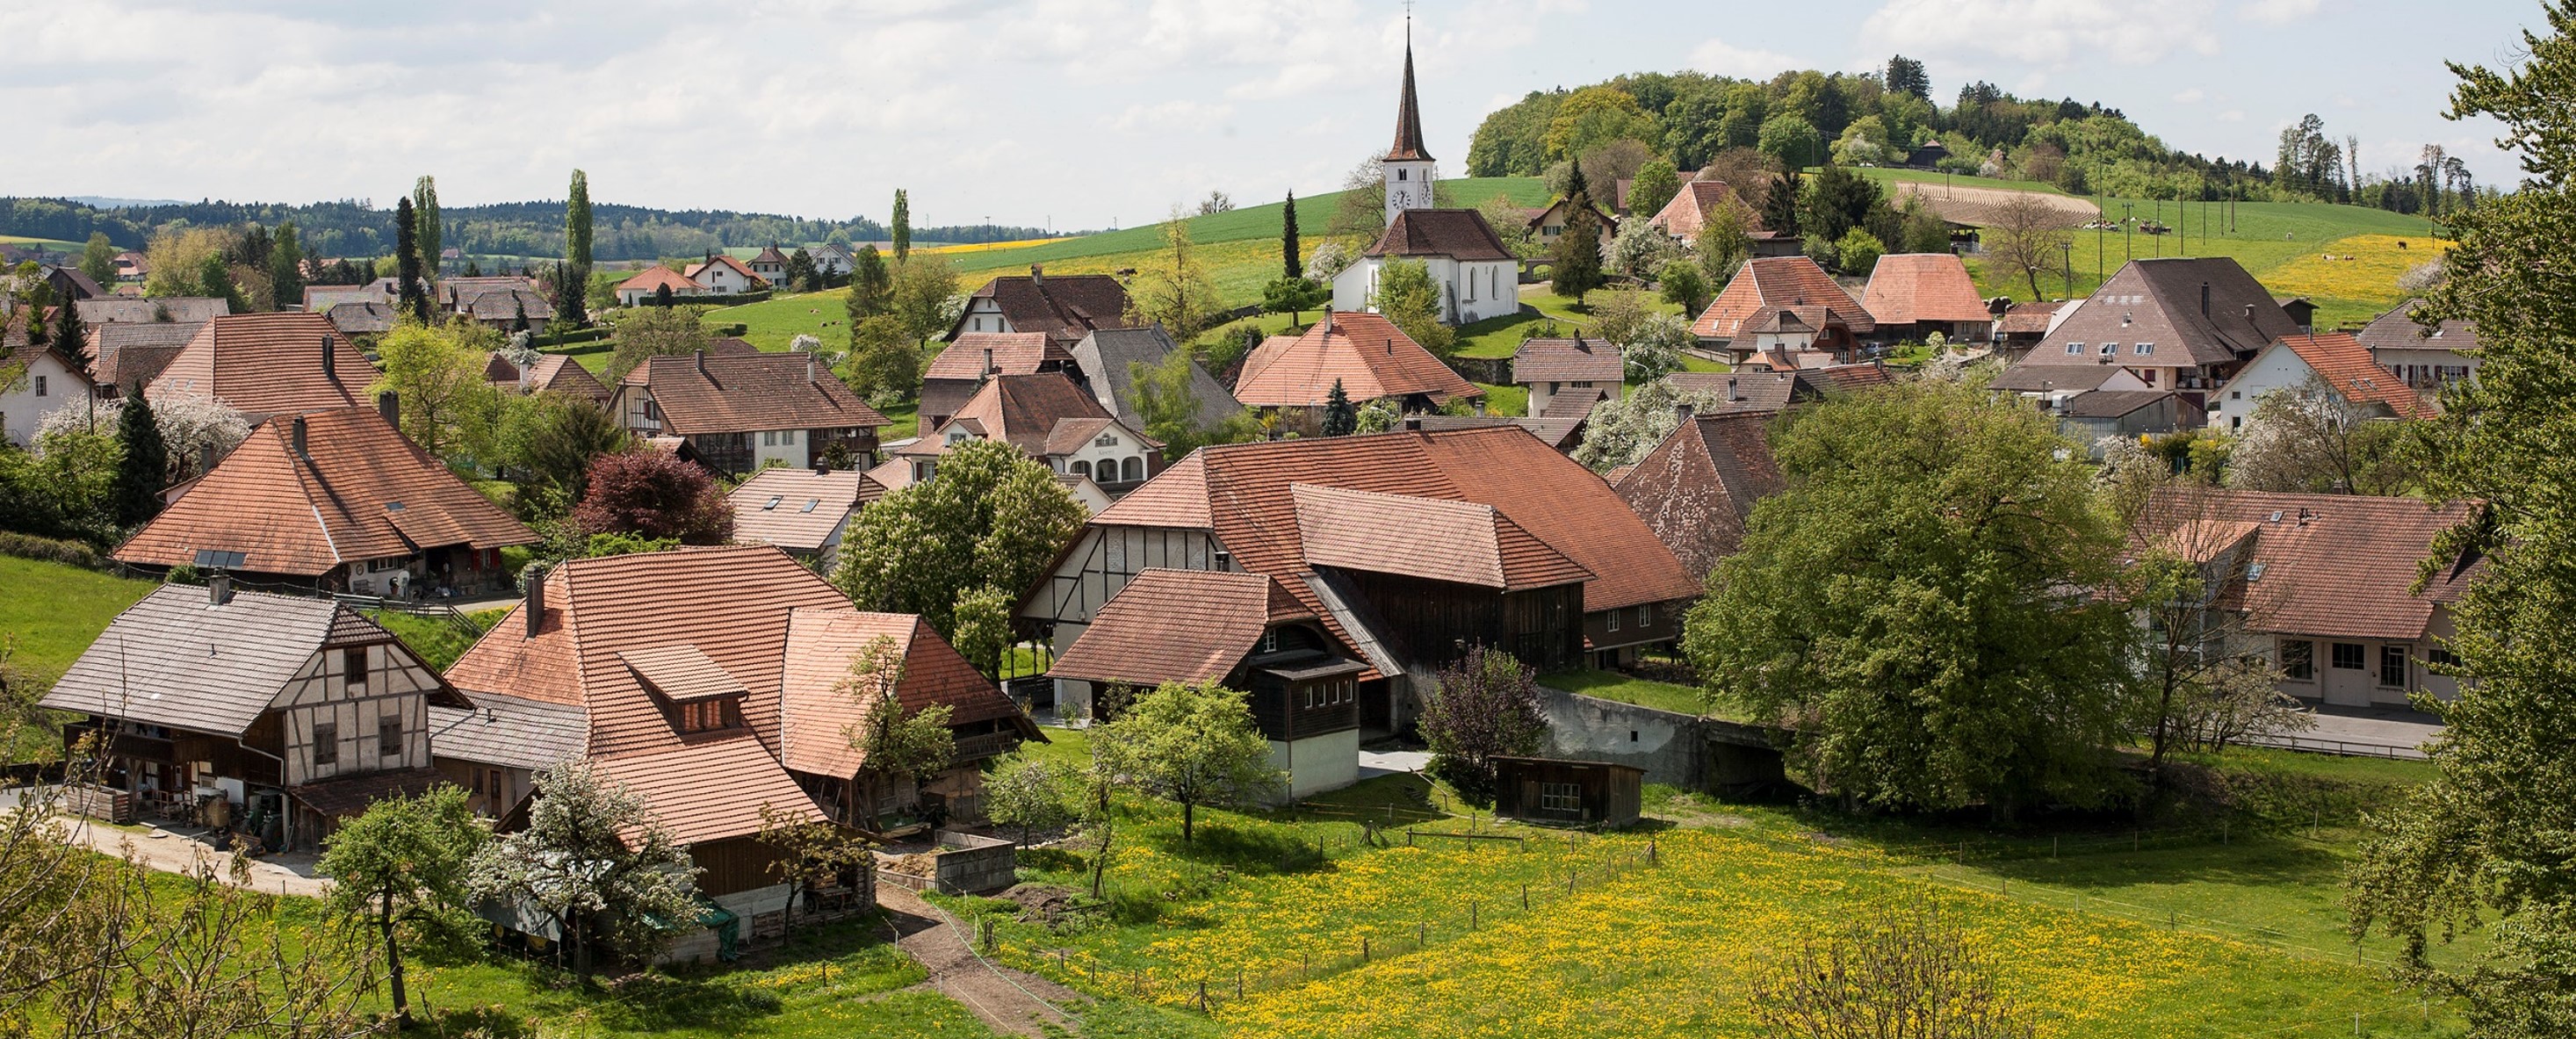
(219, 588)
(1732, 393)
(1037, 276)
(1328, 321)
(809, 368)
(389, 407)
(1681, 413)
(1479, 405)
(988, 362)
(295, 433)
(702, 361)
(1413, 423)
(2249, 312)
(2204, 299)
(535, 576)
(205, 459)
(330, 359)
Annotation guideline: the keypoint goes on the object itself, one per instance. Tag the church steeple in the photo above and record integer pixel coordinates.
(1407, 168)
(1408, 112)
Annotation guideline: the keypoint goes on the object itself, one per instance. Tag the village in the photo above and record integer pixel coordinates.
(1656, 592)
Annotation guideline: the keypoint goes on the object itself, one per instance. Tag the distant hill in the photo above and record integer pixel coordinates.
(105, 202)
(512, 229)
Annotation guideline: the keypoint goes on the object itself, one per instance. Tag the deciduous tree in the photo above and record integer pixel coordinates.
(1168, 402)
(902, 226)
(98, 259)
(1192, 744)
(884, 360)
(447, 406)
(2309, 438)
(412, 295)
(655, 332)
(1030, 794)
(871, 286)
(1682, 284)
(1895, 972)
(924, 290)
(1174, 288)
(653, 494)
(811, 853)
(989, 517)
(1485, 706)
(402, 868)
(2026, 237)
(577, 222)
(596, 861)
(1408, 297)
(1655, 184)
(1917, 606)
(424, 207)
(894, 744)
(286, 268)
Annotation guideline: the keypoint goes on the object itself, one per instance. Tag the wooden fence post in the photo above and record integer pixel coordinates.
(1364, 949)
(1203, 996)
(1525, 897)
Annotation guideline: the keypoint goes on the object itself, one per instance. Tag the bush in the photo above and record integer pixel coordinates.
(48, 550)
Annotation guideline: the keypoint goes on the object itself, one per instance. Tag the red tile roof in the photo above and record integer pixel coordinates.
(557, 373)
(1243, 492)
(2331, 564)
(656, 276)
(817, 714)
(1369, 355)
(1691, 208)
(723, 260)
(728, 393)
(2346, 365)
(1909, 287)
(360, 492)
(1459, 234)
(808, 507)
(1698, 487)
(268, 364)
(1567, 360)
(1026, 410)
(709, 789)
(1770, 284)
(1065, 307)
(2028, 319)
(1436, 539)
(1176, 626)
(1014, 353)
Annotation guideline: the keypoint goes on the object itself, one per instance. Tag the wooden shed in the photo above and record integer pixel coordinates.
(1549, 790)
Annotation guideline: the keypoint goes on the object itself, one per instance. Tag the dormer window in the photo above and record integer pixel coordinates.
(706, 715)
(1270, 640)
(2074, 348)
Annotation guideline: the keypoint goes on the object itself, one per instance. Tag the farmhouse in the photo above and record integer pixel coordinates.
(1105, 364)
(647, 285)
(1586, 370)
(2177, 323)
(739, 412)
(963, 366)
(819, 707)
(273, 715)
(1701, 201)
(1050, 419)
(804, 511)
(1402, 545)
(1064, 308)
(1913, 295)
(1365, 353)
(2337, 360)
(337, 500)
(549, 373)
(1697, 488)
(1240, 630)
(34, 381)
(1783, 304)
(1549, 224)
(724, 276)
(268, 364)
(2423, 358)
(2326, 582)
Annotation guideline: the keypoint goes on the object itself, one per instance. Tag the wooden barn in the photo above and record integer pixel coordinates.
(1549, 790)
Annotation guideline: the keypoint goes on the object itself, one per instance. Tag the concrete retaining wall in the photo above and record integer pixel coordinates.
(1678, 750)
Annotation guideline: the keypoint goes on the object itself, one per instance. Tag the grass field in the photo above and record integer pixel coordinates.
(56, 610)
(1611, 685)
(2206, 939)
(54, 244)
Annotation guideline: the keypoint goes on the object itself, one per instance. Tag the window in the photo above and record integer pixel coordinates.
(389, 737)
(1309, 694)
(2109, 349)
(477, 777)
(1560, 797)
(1614, 620)
(1134, 469)
(2143, 349)
(1403, 174)
(702, 715)
(1105, 440)
(2074, 348)
(1081, 468)
(353, 669)
(2393, 666)
(326, 743)
(40, 385)
(2299, 660)
(769, 438)
(1270, 641)
(2439, 657)
(1645, 615)
(2347, 656)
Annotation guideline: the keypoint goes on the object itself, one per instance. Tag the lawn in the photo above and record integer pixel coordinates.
(1611, 685)
(438, 640)
(1883, 174)
(56, 610)
(1329, 936)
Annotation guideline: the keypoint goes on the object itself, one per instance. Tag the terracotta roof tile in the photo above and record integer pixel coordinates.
(125, 354)
(817, 716)
(360, 492)
(709, 789)
(1697, 489)
(679, 672)
(1909, 287)
(1436, 539)
(797, 509)
(2332, 564)
(726, 261)
(1014, 353)
(558, 373)
(1177, 497)
(1567, 360)
(738, 394)
(1768, 285)
(1064, 307)
(1173, 626)
(1366, 352)
(1024, 410)
(1691, 208)
(2346, 365)
(2028, 319)
(655, 277)
(268, 364)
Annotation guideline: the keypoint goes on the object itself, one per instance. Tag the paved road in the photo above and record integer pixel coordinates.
(2381, 731)
(1375, 763)
(176, 851)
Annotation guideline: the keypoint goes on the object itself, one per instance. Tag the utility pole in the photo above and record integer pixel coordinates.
(2128, 223)
(2068, 247)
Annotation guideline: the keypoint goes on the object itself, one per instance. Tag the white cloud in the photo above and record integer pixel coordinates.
(2231, 116)
(1189, 116)
(2049, 34)
(1726, 59)
(2192, 96)
(2278, 12)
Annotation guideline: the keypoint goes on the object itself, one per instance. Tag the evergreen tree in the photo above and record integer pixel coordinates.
(424, 210)
(1905, 76)
(577, 223)
(1340, 418)
(871, 286)
(69, 338)
(215, 278)
(410, 300)
(902, 225)
(1780, 204)
(286, 269)
(1291, 263)
(143, 463)
(571, 294)
(1577, 260)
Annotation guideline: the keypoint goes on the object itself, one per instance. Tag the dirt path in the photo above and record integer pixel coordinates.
(1009, 1001)
(172, 853)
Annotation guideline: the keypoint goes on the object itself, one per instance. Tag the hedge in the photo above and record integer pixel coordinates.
(49, 550)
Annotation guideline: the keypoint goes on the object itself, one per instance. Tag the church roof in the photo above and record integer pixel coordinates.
(1408, 114)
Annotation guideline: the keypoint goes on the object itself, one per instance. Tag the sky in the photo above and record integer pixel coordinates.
(1077, 114)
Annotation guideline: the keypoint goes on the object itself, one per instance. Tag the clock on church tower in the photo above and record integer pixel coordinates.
(1407, 167)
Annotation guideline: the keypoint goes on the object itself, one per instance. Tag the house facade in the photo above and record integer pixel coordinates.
(2425, 359)
(1476, 276)
(2176, 323)
(739, 412)
(2335, 359)
(1783, 304)
(723, 275)
(647, 285)
(34, 382)
(1914, 295)
(1062, 307)
(1366, 354)
(963, 366)
(275, 716)
(1585, 370)
(1049, 419)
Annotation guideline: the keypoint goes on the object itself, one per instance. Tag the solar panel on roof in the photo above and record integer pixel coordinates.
(810, 503)
(209, 558)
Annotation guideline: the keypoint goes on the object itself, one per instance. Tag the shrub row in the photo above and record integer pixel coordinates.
(49, 550)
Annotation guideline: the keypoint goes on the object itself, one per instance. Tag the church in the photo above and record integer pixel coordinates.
(1477, 274)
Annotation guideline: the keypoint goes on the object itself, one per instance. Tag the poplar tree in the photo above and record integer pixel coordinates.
(410, 300)
(902, 225)
(577, 223)
(1290, 264)
(424, 207)
(286, 268)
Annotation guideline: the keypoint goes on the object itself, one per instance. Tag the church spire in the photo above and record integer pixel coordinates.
(1408, 112)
